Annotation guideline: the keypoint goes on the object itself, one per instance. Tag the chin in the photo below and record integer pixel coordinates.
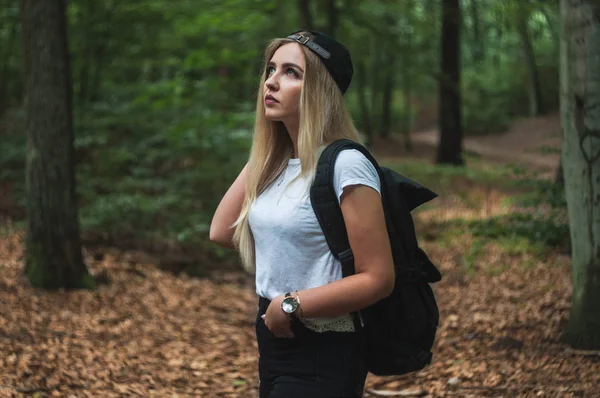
(271, 117)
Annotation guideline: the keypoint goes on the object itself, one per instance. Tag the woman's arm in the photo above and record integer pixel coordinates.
(373, 263)
(228, 211)
(374, 268)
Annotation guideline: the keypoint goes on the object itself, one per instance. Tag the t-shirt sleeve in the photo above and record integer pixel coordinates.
(353, 168)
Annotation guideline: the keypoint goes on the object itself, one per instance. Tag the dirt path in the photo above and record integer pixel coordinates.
(532, 143)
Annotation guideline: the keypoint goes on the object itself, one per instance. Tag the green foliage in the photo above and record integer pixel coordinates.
(471, 258)
(541, 192)
(164, 95)
(495, 86)
(11, 82)
(443, 178)
(12, 161)
(536, 222)
(163, 183)
(522, 232)
(487, 103)
(543, 218)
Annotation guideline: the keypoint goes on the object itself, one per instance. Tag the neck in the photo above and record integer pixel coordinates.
(292, 129)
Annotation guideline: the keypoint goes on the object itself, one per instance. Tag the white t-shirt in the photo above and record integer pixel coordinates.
(291, 250)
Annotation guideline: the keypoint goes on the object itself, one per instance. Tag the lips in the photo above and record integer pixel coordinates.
(270, 99)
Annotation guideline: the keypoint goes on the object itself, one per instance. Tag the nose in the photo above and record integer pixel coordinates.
(271, 82)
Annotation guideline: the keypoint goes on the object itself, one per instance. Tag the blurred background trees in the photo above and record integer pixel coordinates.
(164, 93)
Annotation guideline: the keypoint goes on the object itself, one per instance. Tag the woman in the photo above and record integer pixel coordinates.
(306, 338)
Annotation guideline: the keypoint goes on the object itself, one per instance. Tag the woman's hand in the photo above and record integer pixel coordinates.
(278, 322)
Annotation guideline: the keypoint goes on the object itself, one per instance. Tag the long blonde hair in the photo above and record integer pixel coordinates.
(323, 119)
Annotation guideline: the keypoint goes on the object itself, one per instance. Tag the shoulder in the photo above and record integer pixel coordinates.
(353, 168)
(352, 160)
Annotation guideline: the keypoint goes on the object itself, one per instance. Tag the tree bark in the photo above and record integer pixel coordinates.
(580, 117)
(450, 147)
(53, 257)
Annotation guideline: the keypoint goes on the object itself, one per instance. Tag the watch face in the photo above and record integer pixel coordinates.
(289, 305)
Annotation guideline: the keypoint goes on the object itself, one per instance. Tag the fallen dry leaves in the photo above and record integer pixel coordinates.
(151, 333)
(146, 333)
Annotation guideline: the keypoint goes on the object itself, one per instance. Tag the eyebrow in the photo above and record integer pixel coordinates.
(287, 64)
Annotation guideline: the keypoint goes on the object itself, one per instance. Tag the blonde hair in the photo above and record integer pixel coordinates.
(323, 119)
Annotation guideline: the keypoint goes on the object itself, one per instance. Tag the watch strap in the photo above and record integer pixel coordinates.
(299, 305)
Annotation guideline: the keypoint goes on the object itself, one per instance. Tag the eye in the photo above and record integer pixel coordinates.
(270, 70)
(293, 72)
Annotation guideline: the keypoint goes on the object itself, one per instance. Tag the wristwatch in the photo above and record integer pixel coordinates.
(290, 304)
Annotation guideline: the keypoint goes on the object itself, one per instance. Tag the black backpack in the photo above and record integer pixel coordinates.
(400, 329)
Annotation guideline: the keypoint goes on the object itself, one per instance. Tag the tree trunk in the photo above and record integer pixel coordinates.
(388, 68)
(4, 67)
(407, 102)
(83, 81)
(580, 116)
(87, 52)
(362, 101)
(478, 49)
(499, 38)
(305, 15)
(387, 95)
(536, 106)
(375, 82)
(405, 69)
(8, 49)
(450, 147)
(559, 177)
(53, 257)
(332, 18)
(99, 61)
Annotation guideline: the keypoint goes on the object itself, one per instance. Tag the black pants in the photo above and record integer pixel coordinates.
(310, 365)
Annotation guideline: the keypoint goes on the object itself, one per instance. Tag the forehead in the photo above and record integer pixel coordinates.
(289, 52)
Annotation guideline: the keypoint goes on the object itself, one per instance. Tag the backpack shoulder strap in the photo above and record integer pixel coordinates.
(325, 203)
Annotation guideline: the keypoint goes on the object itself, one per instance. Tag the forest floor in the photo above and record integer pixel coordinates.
(147, 332)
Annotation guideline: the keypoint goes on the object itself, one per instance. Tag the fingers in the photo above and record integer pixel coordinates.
(280, 330)
(284, 334)
(287, 333)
